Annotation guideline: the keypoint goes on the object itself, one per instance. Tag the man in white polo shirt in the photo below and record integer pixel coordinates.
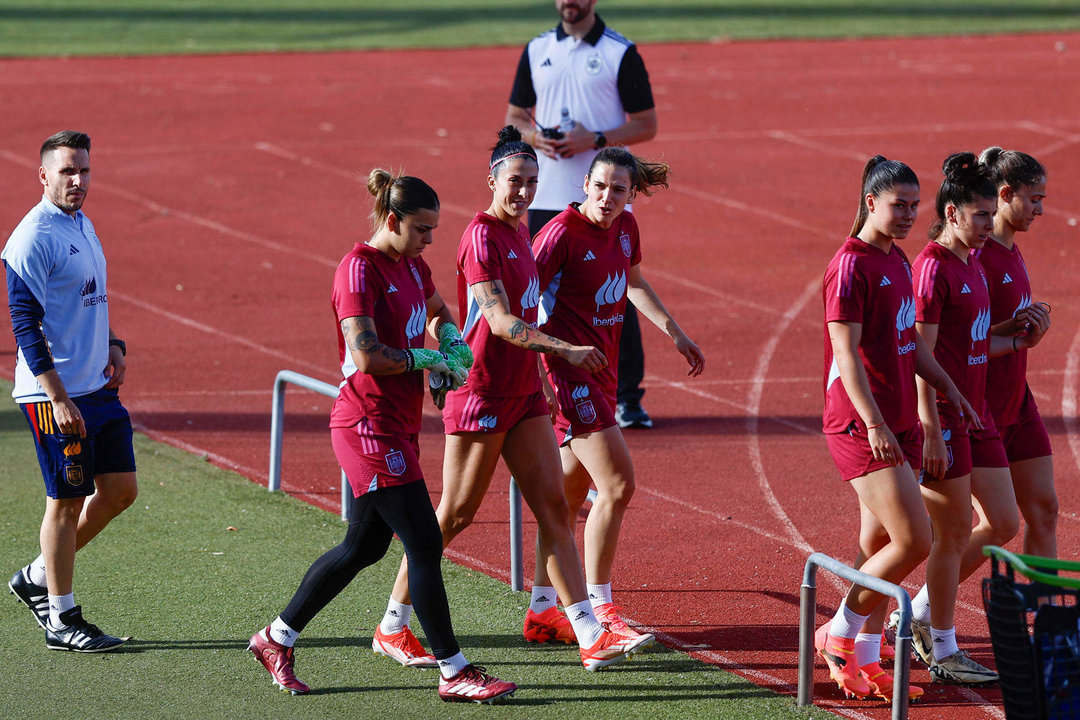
(67, 372)
(579, 87)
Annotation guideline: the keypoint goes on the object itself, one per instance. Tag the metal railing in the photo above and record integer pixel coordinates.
(277, 429)
(517, 569)
(807, 616)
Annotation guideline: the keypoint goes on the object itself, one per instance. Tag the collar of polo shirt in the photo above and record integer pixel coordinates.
(592, 37)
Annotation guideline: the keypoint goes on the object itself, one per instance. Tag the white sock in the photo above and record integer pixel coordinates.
(846, 623)
(599, 594)
(396, 618)
(59, 604)
(543, 598)
(867, 649)
(944, 643)
(587, 628)
(36, 571)
(451, 666)
(920, 606)
(281, 633)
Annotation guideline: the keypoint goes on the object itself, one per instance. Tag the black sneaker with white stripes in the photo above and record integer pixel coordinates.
(35, 597)
(78, 635)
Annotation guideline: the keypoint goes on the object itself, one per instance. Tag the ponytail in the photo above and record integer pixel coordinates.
(880, 175)
(644, 175)
(402, 195)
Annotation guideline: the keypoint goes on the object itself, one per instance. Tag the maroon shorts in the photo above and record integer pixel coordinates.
(466, 412)
(1027, 438)
(373, 460)
(851, 451)
(987, 451)
(584, 407)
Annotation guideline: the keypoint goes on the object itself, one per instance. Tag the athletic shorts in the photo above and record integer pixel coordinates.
(70, 463)
(583, 408)
(1027, 438)
(466, 412)
(373, 460)
(987, 451)
(853, 457)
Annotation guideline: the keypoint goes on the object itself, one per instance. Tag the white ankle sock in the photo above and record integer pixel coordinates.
(281, 633)
(451, 666)
(587, 628)
(846, 623)
(543, 598)
(599, 594)
(944, 643)
(867, 649)
(396, 618)
(59, 604)
(36, 571)
(920, 606)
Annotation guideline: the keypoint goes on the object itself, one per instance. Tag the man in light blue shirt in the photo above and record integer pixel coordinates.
(67, 372)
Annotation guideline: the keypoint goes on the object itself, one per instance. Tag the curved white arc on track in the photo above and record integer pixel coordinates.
(753, 403)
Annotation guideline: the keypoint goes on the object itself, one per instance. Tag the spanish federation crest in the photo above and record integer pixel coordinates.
(586, 411)
(624, 240)
(395, 462)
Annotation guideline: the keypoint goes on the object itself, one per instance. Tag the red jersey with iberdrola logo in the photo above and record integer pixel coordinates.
(583, 270)
(492, 250)
(952, 294)
(872, 288)
(368, 283)
(1007, 389)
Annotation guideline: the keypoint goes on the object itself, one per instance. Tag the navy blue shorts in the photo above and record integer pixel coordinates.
(69, 463)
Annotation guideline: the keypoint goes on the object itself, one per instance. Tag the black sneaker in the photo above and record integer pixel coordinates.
(78, 635)
(632, 415)
(35, 597)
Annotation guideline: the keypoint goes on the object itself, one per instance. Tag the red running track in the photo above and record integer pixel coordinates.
(225, 190)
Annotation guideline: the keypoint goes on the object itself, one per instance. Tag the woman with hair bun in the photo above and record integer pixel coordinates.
(962, 463)
(383, 300)
(588, 258)
(1021, 189)
(502, 412)
(871, 421)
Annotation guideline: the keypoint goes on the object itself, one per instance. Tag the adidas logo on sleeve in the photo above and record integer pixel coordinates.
(965, 290)
(885, 281)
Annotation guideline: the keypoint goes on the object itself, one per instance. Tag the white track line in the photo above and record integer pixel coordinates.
(1070, 386)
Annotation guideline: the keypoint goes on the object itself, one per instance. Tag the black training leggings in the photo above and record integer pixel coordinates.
(374, 519)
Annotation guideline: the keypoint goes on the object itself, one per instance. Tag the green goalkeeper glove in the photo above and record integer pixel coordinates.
(437, 361)
(450, 342)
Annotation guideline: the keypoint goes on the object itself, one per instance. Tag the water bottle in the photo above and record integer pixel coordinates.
(566, 123)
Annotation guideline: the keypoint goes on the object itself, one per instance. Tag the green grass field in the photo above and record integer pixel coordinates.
(170, 572)
(136, 27)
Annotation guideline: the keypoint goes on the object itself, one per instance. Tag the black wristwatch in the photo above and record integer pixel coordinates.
(120, 344)
(599, 140)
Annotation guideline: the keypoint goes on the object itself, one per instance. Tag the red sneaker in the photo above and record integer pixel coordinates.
(608, 614)
(278, 661)
(548, 626)
(839, 655)
(473, 684)
(611, 648)
(888, 652)
(881, 683)
(403, 647)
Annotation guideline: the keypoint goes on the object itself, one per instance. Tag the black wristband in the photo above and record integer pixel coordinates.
(120, 344)
(410, 362)
(1015, 338)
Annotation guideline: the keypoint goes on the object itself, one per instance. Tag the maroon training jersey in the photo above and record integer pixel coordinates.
(583, 269)
(394, 294)
(873, 288)
(1010, 291)
(492, 250)
(952, 294)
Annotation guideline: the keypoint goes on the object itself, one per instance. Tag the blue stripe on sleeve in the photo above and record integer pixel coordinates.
(26, 317)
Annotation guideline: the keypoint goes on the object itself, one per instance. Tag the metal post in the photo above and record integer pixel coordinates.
(902, 663)
(517, 571)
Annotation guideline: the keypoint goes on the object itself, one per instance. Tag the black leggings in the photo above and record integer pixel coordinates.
(374, 519)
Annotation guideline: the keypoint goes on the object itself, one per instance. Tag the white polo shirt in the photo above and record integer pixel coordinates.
(597, 80)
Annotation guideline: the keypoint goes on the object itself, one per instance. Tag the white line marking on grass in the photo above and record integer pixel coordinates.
(196, 325)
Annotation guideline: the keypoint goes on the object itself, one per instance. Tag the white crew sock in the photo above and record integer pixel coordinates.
(59, 604)
(36, 571)
(281, 633)
(944, 643)
(599, 594)
(867, 649)
(396, 618)
(920, 606)
(846, 623)
(451, 666)
(543, 598)
(587, 628)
